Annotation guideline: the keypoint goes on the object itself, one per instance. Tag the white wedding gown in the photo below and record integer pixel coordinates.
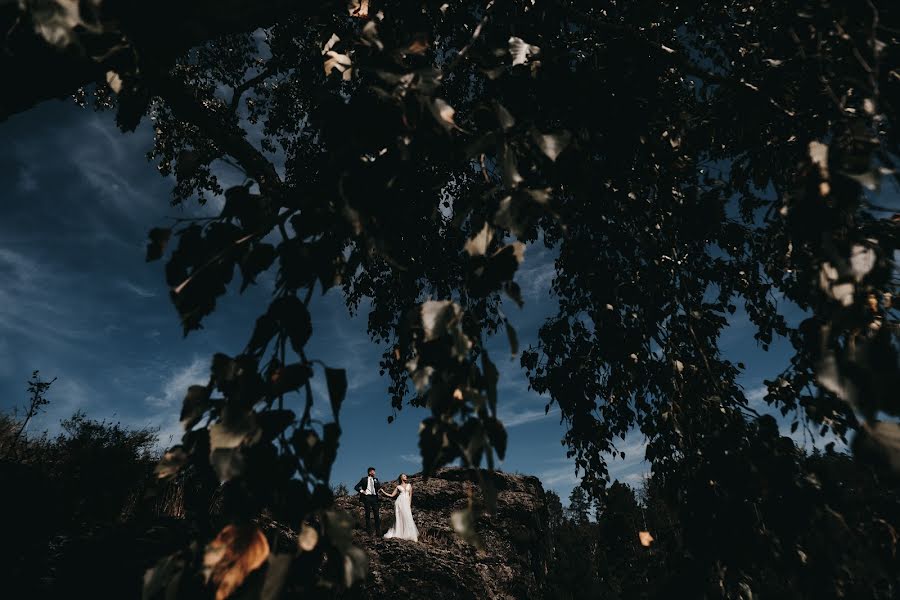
(404, 527)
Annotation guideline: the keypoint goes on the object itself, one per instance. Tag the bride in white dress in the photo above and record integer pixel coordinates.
(404, 527)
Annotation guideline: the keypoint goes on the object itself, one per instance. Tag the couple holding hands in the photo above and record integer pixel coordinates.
(369, 488)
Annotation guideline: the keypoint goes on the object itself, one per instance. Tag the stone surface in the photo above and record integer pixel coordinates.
(510, 564)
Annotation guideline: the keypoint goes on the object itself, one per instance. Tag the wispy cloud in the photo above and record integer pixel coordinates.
(166, 401)
(808, 439)
(27, 182)
(411, 458)
(536, 274)
(106, 165)
(176, 384)
(135, 289)
(514, 419)
(29, 301)
(634, 466)
(559, 477)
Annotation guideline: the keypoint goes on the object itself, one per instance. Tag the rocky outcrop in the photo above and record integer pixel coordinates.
(510, 563)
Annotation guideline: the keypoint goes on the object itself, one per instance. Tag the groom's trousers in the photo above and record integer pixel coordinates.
(370, 503)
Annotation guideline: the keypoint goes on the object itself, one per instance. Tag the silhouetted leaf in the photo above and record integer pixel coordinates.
(132, 103)
(265, 329)
(227, 463)
(187, 163)
(307, 538)
(195, 405)
(341, 63)
(277, 573)
(521, 51)
(478, 245)
(234, 433)
(356, 566)
(287, 378)
(491, 377)
(171, 463)
(443, 112)
(338, 530)
(159, 578)
(552, 144)
(513, 290)
(497, 435)
(879, 443)
(293, 316)
(336, 380)
(272, 423)
(507, 121)
(159, 238)
(513, 338)
(259, 259)
(232, 555)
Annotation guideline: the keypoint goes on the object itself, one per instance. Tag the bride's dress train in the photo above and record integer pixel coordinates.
(404, 527)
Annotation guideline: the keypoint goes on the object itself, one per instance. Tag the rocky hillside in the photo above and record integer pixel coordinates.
(511, 562)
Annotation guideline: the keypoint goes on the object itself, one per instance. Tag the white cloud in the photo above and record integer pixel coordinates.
(30, 303)
(166, 403)
(631, 470)
(512, 419)
(106, 165)
(535, 275)
(756, 395)
(411, 458)
(559, 477)
(173, 389)
(135, 289)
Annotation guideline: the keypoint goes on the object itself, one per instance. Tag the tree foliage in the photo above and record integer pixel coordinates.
(579, 506)
(74, 497)
(683, 159)
(804, 526)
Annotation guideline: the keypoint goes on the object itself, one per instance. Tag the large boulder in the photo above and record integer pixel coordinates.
(510, 563)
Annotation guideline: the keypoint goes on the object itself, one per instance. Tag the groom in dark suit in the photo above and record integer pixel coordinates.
(368, 488)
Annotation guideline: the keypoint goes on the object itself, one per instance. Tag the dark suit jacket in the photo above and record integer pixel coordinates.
(363, 484)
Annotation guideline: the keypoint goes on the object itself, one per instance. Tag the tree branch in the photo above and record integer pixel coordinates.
(158, 32)
(680, 61)
(253, 81)
(227, 137)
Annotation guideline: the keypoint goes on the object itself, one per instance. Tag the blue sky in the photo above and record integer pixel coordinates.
(78, 302)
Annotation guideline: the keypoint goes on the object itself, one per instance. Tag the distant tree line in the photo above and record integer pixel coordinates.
(79, 507)
(806, 525)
